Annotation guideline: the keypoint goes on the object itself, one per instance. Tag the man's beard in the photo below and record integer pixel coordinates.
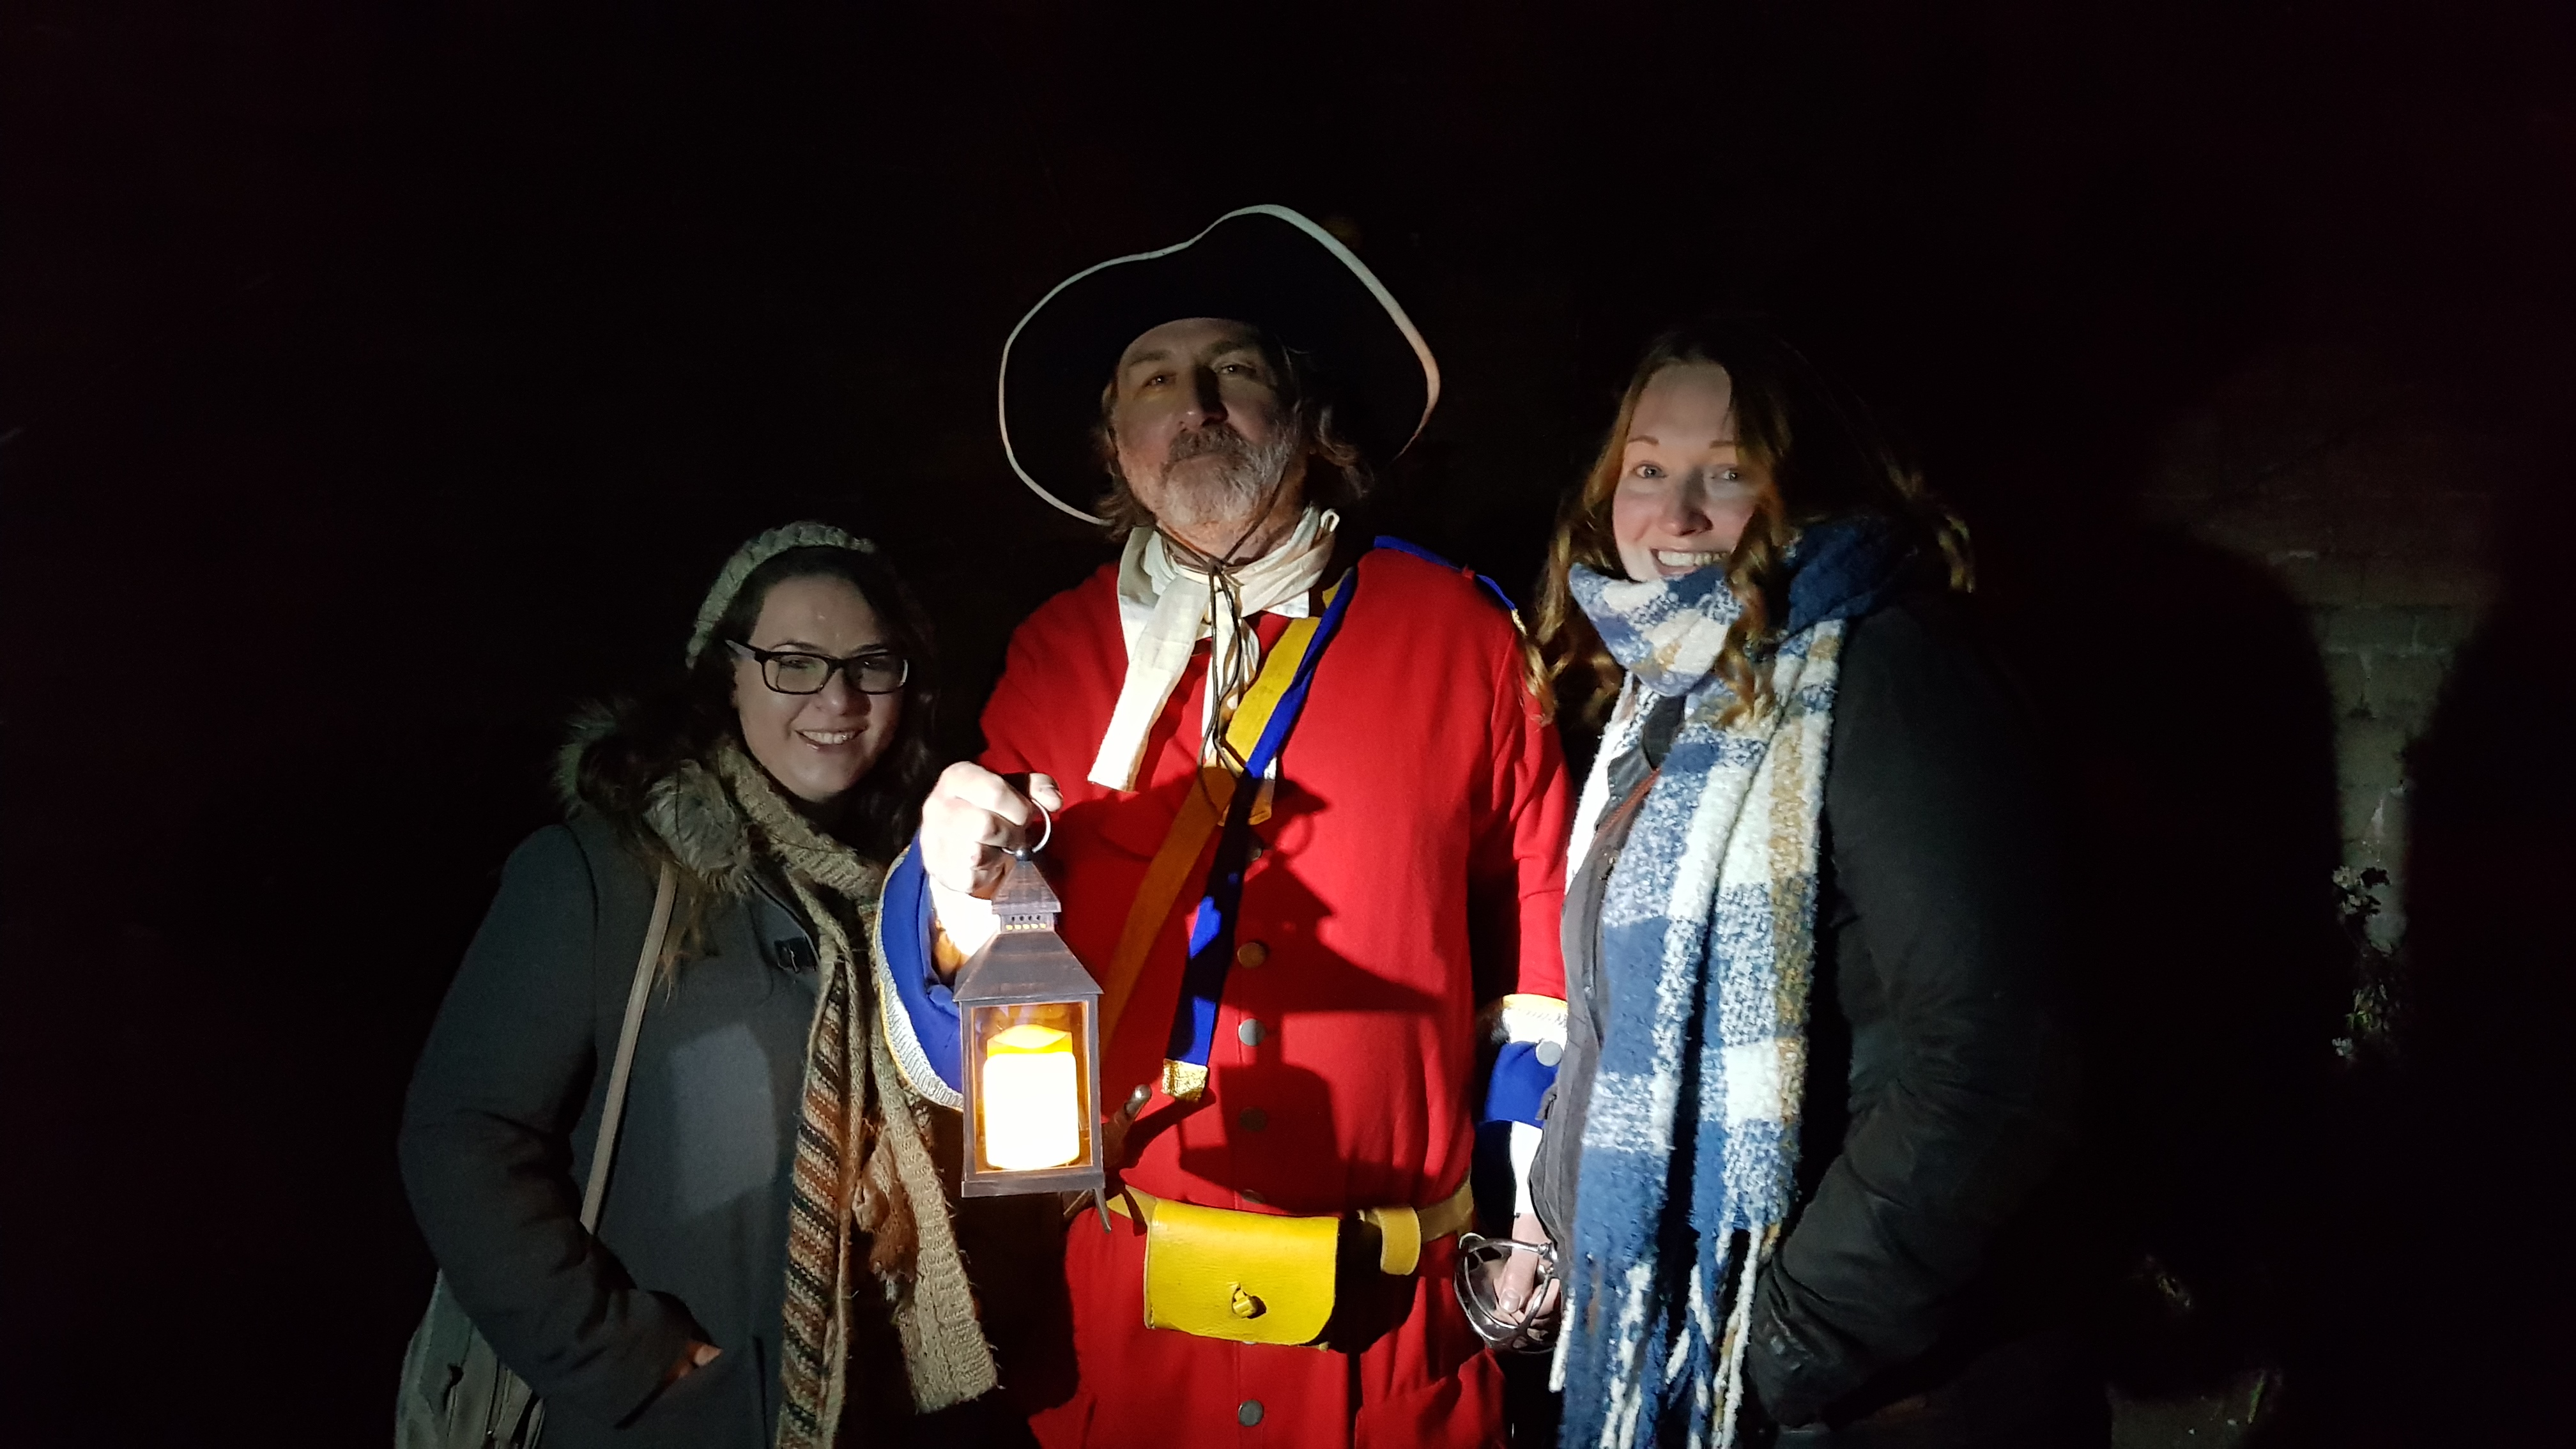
(1231, 489)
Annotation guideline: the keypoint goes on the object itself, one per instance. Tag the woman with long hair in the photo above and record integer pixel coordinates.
(774, 1257)
(1815, 1085)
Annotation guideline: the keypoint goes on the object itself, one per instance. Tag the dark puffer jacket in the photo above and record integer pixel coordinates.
(1926, 1274)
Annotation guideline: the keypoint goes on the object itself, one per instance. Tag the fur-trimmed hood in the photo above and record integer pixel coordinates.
(687, 811)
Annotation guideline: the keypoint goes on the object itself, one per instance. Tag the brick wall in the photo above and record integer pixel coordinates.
(2370, 497)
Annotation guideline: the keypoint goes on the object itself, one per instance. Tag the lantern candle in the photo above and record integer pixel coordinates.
(1032, 1099)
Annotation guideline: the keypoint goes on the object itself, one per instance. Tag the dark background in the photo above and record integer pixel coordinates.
(380, 379)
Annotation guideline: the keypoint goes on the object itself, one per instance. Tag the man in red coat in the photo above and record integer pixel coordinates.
(1307, 981)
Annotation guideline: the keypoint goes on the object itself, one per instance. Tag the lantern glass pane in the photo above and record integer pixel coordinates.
(1032, 1080)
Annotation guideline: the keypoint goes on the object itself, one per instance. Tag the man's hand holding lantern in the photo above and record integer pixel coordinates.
(972, 822)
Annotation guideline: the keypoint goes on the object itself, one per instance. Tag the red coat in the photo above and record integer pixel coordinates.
(1412, 869)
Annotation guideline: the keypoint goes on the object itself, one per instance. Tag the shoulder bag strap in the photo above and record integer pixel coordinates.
(1201, 812)
(614, 1111)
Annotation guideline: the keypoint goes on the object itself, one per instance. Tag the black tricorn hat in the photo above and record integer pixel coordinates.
(1265, 265)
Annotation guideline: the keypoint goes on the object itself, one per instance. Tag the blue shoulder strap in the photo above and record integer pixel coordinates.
(1193, 1034)
(1388, 540)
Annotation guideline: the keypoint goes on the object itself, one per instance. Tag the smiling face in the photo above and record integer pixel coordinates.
(816, 745)
(1686, 488)
(1205, 434)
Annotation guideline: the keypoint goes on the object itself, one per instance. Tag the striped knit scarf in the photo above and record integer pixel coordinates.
(859, 1168)
(1689, 1161)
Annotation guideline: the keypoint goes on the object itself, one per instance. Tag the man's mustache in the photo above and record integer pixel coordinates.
(1216, 439)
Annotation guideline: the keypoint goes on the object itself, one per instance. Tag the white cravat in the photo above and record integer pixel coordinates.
(1163, 607)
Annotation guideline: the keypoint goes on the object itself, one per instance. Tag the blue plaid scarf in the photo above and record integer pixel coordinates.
(1689, 1161)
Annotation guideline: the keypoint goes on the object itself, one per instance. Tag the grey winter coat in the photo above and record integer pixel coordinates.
(497, 1133)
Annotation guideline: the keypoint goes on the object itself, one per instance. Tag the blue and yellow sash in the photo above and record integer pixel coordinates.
(1259, 729)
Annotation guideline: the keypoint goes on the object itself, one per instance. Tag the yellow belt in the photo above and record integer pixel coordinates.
(1264, 1277)
(1401, 1230)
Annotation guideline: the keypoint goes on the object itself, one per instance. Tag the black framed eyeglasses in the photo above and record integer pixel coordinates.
(793, 671)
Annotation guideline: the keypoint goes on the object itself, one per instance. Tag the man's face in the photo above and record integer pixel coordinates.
(1204, 435)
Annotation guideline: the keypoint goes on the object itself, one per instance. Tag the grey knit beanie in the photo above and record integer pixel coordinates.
(752, 555)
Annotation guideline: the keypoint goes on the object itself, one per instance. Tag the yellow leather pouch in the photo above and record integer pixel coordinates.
(1243, 1277)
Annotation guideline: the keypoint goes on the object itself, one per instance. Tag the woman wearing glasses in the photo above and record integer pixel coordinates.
(773, 1255)
(1796, 1165)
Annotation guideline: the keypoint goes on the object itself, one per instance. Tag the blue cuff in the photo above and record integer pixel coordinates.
(1520, 1084)
(927, 1006)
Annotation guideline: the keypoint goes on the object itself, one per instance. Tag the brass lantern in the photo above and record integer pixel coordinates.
(1029, 1016)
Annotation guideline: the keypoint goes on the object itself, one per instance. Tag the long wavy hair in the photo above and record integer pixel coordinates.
(651, 735)
(1823, 457)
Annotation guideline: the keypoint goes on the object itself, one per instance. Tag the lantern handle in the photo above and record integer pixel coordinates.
(1030, 852)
